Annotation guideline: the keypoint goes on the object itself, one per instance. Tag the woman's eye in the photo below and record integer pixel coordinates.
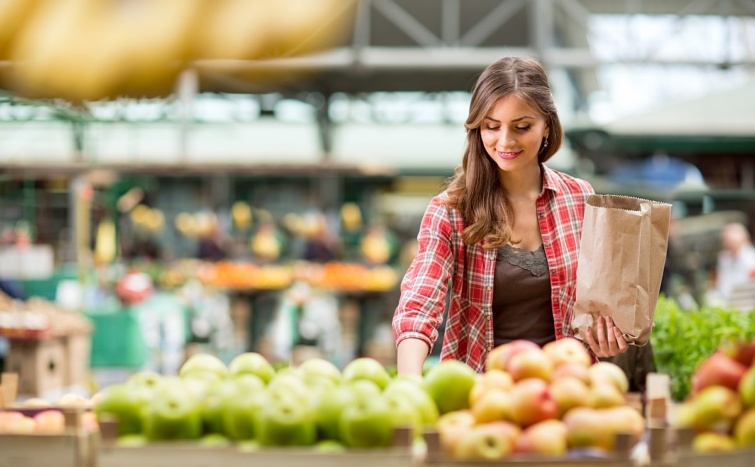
(524, 128)
(491, 128)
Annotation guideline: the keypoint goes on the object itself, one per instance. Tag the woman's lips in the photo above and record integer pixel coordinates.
(508, 155)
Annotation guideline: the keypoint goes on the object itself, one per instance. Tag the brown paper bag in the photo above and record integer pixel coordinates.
(621, 259)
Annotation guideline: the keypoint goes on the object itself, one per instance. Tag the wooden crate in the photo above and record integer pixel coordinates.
(73, 448)
(436, 457)
(185, 454)
(191, 454)
(41, 365)
(682, 455)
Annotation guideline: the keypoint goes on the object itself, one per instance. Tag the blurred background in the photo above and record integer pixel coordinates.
(237, 175)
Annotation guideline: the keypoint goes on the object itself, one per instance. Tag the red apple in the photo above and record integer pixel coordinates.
(608, 372)
(715, 406)
(546, 438)
(18, 425)
(567, 350)
(492, 379)
(572, 370)
(604, 395)
(49, 421)
(624, 419)
(530, 363)
(713, 442)
(744, 430)
(498, 358)
(452, 426)
(743, 352)
(586, 428)
(483, 442)
(493, 405)
(718, 370)
(532, 402)
(569, 393)
(747, 388)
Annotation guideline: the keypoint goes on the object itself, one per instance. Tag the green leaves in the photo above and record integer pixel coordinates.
(683, 338)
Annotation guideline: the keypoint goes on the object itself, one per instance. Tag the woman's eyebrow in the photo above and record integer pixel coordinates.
(513, 121)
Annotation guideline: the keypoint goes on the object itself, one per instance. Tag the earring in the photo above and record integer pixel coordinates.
(545, 143)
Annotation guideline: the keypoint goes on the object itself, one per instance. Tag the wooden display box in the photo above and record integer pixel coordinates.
(682, 455)
(77, 348)
(73, 448)
(191, 454)
(436, 457)
(41, 365)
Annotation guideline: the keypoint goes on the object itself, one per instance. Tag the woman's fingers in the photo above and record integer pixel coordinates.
(610, 340)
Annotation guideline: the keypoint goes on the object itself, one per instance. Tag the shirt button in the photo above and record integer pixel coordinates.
(490, 287)
(553, 271)
(547, 243)
(541, 215)
(490, 347)
(487, 317)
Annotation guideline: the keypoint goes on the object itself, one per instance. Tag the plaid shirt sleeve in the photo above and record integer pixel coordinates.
(425, 284)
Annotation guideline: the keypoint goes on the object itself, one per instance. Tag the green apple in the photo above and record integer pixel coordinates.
(317, 369)
(449, 384)
(131, 441)
(405, 414)
(419, 398)
(329, 445)
(214, 440)
(220, 394)
(251, 363)
(203, 366)
(369, 369)
(330, 406)
(125, 404)
(286, 422)
(241, 412)
(213, 404)
(364, 389)
(290, 386)
(172, 413)
(367, 423)
(144, 379)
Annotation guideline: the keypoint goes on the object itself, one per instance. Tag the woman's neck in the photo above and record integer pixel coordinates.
(522, 183)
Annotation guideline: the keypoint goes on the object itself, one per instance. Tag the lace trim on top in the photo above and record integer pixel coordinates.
(533, 261)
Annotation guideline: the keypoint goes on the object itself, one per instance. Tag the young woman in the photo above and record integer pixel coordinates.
(503, 239)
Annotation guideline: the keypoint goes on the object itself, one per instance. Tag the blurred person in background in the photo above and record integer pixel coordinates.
(736, 260)
(505, 234)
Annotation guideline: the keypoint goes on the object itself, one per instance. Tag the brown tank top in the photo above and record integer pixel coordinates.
(522, 297)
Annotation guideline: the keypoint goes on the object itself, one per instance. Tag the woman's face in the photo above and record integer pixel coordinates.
(512, 134)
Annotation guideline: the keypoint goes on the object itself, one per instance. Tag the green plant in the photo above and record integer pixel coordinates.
(683, 338)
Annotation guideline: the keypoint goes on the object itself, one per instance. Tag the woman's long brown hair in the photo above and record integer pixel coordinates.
(474, 189)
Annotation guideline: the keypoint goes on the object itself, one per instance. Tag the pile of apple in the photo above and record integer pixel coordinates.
(532, 400)
(721, 407)
(248, 402)
(49, 419)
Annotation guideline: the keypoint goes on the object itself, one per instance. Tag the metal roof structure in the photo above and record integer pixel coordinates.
(441, 45)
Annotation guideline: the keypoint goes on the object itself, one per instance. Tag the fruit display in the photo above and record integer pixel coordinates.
(38, 318)
(721, 406)
(705, 328)
(43, 40)
(250, 404)
(241, 275)
(532, 401)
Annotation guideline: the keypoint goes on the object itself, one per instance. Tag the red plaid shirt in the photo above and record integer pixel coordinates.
(442, 257)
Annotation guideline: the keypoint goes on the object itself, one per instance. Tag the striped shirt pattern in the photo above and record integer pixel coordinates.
(443, 261)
